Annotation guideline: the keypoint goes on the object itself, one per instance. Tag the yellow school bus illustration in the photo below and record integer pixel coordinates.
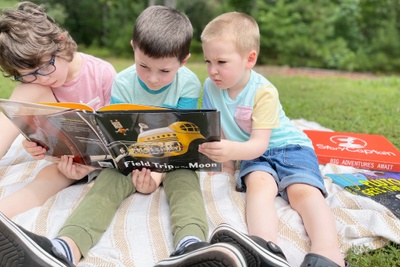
(173, 140)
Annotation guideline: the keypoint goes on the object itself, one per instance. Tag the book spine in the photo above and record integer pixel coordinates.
(361, 164)
(95, 128)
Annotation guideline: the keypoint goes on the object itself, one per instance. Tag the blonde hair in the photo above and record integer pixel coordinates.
(27, 35)
(237, 27)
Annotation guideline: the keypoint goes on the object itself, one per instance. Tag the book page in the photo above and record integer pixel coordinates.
(160, 140)
(61, 131)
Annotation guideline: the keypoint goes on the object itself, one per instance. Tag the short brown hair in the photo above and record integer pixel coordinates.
(161, 32)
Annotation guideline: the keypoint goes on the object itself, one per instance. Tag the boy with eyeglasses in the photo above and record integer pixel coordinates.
(43, 58)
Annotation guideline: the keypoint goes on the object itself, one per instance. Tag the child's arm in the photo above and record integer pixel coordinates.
(146, 181)
(227, 150)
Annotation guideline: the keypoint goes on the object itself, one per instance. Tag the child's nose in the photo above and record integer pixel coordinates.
(152, 78)
(213, 71)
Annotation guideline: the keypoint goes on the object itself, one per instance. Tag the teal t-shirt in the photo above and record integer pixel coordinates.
(182, 93)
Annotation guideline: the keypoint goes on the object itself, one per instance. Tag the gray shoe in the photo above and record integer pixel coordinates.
(257, 251)
(315, 260)
(203, 254)
(19, 247)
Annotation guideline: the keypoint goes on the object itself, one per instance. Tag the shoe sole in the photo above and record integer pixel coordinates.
(254, 253)
(16, 248)
(217, 255)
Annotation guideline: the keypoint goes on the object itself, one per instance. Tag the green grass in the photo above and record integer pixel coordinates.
(388, 256)
(6, 87)
(364, 106)
(342, 104)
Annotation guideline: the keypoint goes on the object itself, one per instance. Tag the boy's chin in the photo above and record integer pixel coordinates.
(153, 88)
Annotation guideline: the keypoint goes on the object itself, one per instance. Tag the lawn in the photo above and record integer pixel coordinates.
(368, 105)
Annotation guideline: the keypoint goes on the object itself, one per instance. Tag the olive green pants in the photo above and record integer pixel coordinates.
(91, 218)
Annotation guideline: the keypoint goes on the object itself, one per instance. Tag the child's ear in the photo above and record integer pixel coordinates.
(185, 60)
(251, 59)
(131, 42)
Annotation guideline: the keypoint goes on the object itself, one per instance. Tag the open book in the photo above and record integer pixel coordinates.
(123, 136)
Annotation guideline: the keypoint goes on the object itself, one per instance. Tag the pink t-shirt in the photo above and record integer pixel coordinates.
(92, 86)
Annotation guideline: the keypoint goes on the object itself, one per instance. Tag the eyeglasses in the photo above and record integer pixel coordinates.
(44, 70)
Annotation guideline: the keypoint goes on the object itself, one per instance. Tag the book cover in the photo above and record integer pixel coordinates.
(123, 136)
(363, 151)
(383, 187)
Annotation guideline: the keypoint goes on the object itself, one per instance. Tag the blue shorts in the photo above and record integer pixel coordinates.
(291, 164)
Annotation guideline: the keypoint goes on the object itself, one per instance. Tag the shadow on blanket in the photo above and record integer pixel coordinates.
(140, 233)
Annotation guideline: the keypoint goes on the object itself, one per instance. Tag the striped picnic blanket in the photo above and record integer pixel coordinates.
(140, 233)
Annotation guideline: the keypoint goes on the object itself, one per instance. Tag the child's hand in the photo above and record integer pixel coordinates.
(144, 182)
(36, 151)
(217, 151)
(71, 170)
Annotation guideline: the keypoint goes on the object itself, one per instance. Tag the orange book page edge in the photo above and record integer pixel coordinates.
(68, 105)
(129, 107)
(112, 107)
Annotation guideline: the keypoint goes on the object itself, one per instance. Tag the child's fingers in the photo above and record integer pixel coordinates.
(134, 177)
(27, 144)
(141, 178)
(70, 162)
(36, 150)
(62, 163)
